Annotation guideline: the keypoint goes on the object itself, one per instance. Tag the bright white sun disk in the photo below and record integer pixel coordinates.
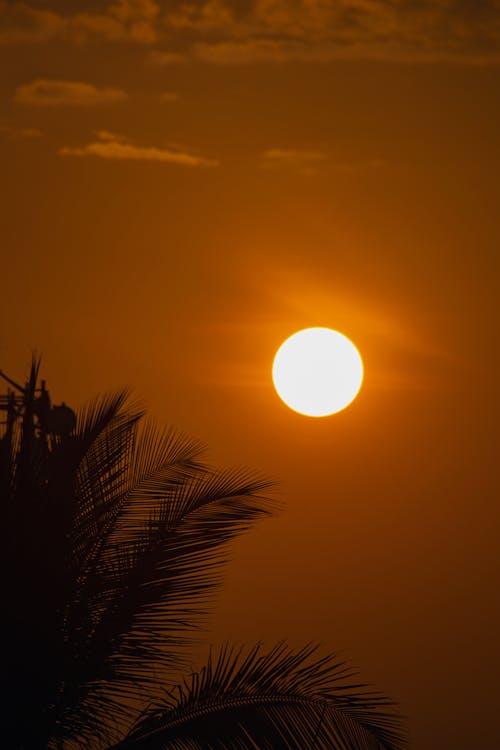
(317, 371)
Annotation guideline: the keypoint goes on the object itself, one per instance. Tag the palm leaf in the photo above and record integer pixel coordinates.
(117, 534)
(145, 587)
(159, 581)
(280, 700)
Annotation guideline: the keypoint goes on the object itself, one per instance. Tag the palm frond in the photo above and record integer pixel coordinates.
(153, 557)
(160, 580)
(158, 461)
(117, 535)
(99, 452)
(279, 700)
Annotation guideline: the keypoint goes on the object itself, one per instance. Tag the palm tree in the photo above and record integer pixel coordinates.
(113, 537)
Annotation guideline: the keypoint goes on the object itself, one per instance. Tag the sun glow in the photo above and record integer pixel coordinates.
(317, 372)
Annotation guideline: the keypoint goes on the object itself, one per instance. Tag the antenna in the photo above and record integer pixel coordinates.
(58, 420)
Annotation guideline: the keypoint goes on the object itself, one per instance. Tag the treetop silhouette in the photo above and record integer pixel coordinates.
(114, 534)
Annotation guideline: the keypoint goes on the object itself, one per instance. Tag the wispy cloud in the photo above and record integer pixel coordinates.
(20, 133)
(165, 57)
(22, 23)
(107, 135)
(311, 161)
(169, 96)
(116, 147)
(229, 32)
(252, 51)
(276, 31)
(302, 161)
(122, 20)
(44, 92)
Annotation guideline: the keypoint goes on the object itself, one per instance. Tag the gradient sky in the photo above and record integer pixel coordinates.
(185, 184)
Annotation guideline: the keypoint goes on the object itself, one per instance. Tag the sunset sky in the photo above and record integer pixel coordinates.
(184, 185)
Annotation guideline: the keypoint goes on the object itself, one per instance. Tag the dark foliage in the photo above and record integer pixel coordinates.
(113, 536)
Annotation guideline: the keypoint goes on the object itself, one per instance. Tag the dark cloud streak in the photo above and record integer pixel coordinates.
(228, 32)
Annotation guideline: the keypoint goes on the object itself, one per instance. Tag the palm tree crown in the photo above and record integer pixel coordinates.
(114, 533)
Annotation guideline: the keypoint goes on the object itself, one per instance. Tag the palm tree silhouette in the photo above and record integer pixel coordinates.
(113, 537)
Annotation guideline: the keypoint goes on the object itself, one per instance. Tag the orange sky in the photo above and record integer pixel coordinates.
(186, 184)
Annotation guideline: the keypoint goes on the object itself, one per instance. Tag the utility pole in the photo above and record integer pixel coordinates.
(40, 420)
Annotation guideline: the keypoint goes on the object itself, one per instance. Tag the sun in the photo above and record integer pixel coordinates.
(317, 372)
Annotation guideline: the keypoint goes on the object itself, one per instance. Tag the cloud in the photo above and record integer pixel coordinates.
(230, 32)
(210, 15)
(169, 96)
(302, 161)
(44, 92)
(311, 161)
(160, 57)
(107, 135)
(121, 20)
(124, 20)
(21, 23)
(117, 148)
(250, 52)
(20, 133)
(225, 32)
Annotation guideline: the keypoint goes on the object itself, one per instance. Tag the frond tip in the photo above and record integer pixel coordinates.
(279, 700)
